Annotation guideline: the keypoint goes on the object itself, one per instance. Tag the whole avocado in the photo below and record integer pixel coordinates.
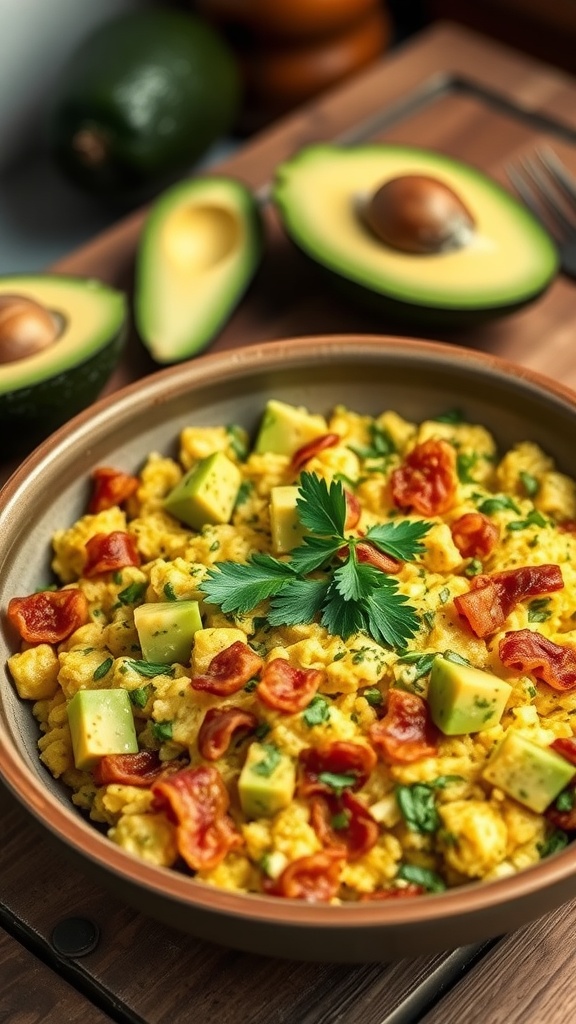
(142, 99)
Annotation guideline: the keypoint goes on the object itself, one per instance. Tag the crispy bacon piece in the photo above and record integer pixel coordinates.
(110, 487)
(566, 820)
(358, 834)
(353, 510)
(307, 451)
(475, 535)
(285, 688)
(409, 890)
(366, 552)
(49, 616)
(339, 758)
(406, 733)
(491, 598)
(140, 769)
(107, 552)
(426, 481)
(315, 878)
(218, 727)
(197, 801)
(566, 747)
(524, 650)
(229, 670)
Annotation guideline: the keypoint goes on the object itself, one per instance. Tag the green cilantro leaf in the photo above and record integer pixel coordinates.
(450, 416)
(140, 696)
(103, 669)
(530, 483)
(418, 802)
(162, 731)
(169, 592)
(553, 844)
(300, 602)
(421, 876)
(380, 446)
(400, 539)
(269, 762)
(132, 593)
(318, 711)
(391, 619)
(497, 504)
(149, 668)
(539, 610)
(314, 553)
(239, 587)
(322, 506)
(338, 781)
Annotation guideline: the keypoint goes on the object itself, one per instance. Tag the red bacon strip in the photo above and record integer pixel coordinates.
(339, 758)
(491, 598)
(197, 801)
(49, 616)
(110, 487)
(566, 747)
(139, 769)
(524, 650)
(475, 535)
(218, 727)
(406, 733)
(315, 878)
(366, 552)
(285, 688)
(426, 481)
(108, 552)
(308, 451)
(229, 670)
(356, 836)
(353, 510)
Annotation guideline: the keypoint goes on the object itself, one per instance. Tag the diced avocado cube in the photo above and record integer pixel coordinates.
(267, 781)
(532, 775)
(207, 493)
(101, 722)
(285, 526)
(465, 699)
(166, 630)
(286, 428)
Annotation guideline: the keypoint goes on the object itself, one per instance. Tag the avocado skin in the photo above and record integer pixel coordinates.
(159, 87)
(29, 415)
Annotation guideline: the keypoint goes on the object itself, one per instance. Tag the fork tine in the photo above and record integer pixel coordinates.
(525, 193)
(547, 198)
(558, 172)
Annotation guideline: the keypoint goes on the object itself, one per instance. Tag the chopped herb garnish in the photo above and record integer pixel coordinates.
(565, 801)
(262, 730)
(422, 664)
(553, 844)
(455, 657)
(318, 711)
(269, 762)
(169, 592)
(534, 518)
(450, 416)
(498, 504)
(244, 492)
(465, 462)
(418, 803)
(340, 821)
(421, 876)
(381, 444)
(132, 593)
(530, 483)
(352, 597)
(338, 781)
(444, 595)
(373, 696)
(474, 567)
(148, 668)
(117, 578)
(141, 695)
(251, 686)
(103, 669)
(162, 731)
(238, 440)
(539, 610)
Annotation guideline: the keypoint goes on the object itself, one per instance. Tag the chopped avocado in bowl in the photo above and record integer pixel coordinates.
(60, 339)
(414, 232)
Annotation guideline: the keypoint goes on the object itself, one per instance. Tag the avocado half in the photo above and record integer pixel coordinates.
(199, 249)
(509, 260)
(40, 392)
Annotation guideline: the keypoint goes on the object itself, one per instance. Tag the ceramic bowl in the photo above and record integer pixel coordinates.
(418, 379)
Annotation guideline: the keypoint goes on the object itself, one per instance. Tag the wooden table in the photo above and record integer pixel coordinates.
(69, 952)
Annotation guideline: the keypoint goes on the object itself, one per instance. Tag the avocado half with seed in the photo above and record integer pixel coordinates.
(48, 375)
(199, 249)
(493, 257)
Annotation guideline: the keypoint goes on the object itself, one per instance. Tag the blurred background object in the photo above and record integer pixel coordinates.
(291, 50)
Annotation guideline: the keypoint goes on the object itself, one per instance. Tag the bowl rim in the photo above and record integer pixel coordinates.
(83, 837)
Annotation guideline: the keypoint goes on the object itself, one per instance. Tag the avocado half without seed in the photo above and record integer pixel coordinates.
(199, 249)
(413, 232)
(60, 339)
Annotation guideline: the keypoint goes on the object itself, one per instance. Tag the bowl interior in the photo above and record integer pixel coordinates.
(418, 379)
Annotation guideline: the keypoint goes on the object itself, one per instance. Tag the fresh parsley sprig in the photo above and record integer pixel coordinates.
(348, 595)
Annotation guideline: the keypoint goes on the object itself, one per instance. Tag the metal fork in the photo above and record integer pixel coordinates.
(549, 190)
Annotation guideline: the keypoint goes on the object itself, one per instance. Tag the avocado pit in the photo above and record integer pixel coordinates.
(26, 327)
(416, 213)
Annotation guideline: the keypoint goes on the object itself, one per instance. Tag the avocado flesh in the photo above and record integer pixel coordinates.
(510, 260)
(265, 786)
(285, 526)
(532, 775)
(464, 699)
(166, 630)
(198, 252)
(207, 493)
(286, 428)
(41, 391)
(101, 723)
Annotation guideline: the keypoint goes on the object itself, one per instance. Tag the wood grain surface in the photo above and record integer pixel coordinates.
(142, 971)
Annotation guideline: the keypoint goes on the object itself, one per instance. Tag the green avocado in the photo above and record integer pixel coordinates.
(507, 259)
(101, 722)
(286, 428)
(285, 527)
(207, 493)
(166, 630)
(40, 391)
(143, 97)
(267, 781)
(532, 775)
(465, 699)
(199, 249)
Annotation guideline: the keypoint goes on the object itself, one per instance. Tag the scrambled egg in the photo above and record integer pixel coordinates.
(438, 821)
